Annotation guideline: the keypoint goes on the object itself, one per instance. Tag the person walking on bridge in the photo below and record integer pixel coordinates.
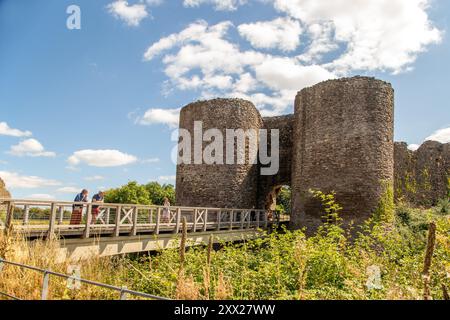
(77, 209)
(166, 211)
(99, 197)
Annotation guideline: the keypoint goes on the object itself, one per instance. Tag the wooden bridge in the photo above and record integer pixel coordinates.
(126, 228)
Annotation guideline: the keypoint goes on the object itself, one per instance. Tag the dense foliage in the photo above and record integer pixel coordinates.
(135, 193)
(284, 200)
(384, 261)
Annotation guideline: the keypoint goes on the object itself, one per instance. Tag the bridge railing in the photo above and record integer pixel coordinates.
(122, 291)
(41, 218)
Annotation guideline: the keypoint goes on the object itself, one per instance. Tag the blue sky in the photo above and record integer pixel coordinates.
(96, 107)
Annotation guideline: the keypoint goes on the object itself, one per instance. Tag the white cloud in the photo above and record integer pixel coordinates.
(442, 136)
(167, 178)
(30, 148)
(101, 158)
(68, 190)
(378, 35)
(94, 178)
(319, 40)
(14, 180)
(6, 130)
(41, 196)
(168, 117)
(413, 147)
(287, 74)
(132, 15)
(220, 5)
(207, 61)
(384, 35)
(281, 33)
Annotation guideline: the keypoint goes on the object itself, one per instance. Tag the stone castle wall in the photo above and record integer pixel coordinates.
(343, 143)
(217, 185)
(340, 138)
(421, 176)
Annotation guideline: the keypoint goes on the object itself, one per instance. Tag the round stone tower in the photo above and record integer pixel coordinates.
(218, 185)
(343, 142)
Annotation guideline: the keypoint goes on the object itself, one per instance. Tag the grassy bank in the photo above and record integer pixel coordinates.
(385, 261)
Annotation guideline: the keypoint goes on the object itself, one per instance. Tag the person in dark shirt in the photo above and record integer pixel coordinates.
(99, 197)
(77, 209)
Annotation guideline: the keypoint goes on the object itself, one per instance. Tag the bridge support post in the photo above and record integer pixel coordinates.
(158, 218)
(177, 226)
(194, 227)
(135, 220)
(87, 229)
(52, 221)
(231, 219)
(219, 219)
(61, 215)
(26, 215)
(117, 227)
(205, 218)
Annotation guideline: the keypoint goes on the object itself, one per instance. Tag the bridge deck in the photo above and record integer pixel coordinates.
(125, 228)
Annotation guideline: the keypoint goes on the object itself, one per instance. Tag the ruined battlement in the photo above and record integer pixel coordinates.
(421, 176)
(340, 138)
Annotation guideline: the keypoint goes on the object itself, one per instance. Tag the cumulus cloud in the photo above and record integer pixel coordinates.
(101, 158)
(168, 117)
(30, 148)
(14, 180)
(6, 130)
(311, 41)
(442, 136)
(220, 5)
(205, 60)
(132, 15)
(378, 35)
(281, 33)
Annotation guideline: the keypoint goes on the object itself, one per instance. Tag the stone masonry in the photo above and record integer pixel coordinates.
(422, 176)
(340, 138)
(218, 185)
(343, 143)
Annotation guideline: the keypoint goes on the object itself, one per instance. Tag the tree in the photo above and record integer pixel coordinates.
(284, 200)
(135, 193)
(159, 192)
(131, 193)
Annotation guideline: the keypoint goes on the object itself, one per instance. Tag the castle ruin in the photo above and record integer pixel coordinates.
(340, 138)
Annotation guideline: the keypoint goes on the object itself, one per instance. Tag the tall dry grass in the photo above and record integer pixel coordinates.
(26, 284)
